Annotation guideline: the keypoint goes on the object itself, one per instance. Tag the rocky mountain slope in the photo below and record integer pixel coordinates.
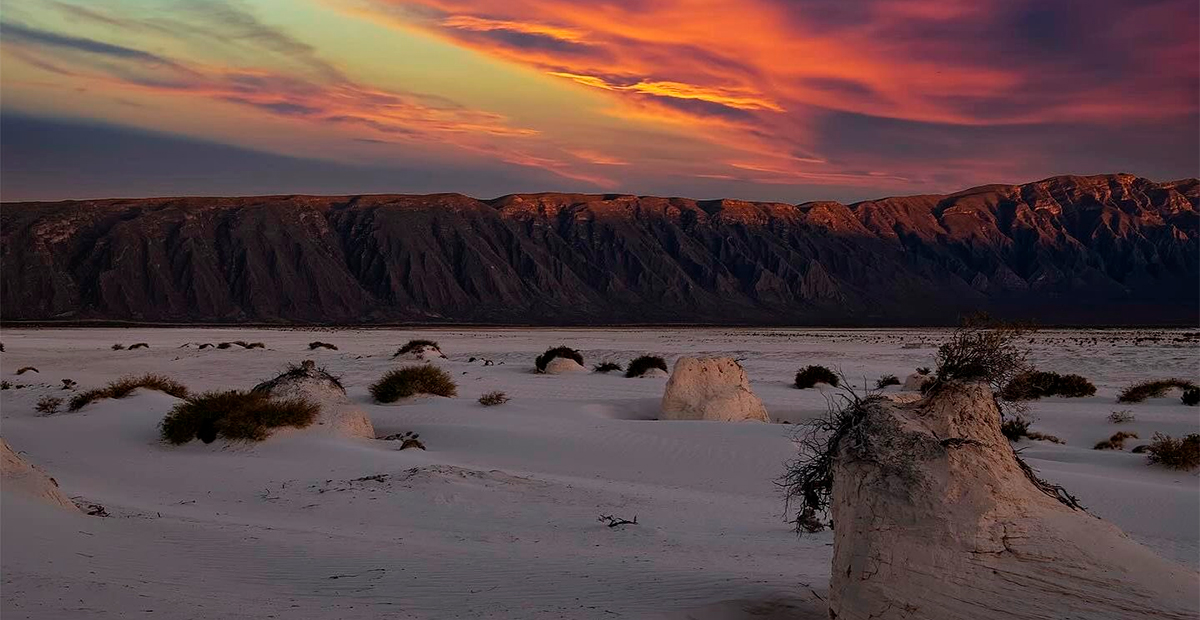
(1067, 250)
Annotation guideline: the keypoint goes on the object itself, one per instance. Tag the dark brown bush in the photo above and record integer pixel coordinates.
(1035, 384)
(812, 375)
(1174, 453)
(48, 405)
(606, 367)
(1116, 442)
(493, 398)
(234, 415)
(1191, 397)
(562, 351)
(413, 345)
(1015, 427)
(887, 380)
(1155, 388)
(411, 380)
(123, 386)
(321, 345)
(639, 366)
(25, 369)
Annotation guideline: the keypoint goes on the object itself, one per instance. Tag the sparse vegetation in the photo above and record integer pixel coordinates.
(641, 365)
(407, 440)
(562, 351)
(1155, 388)
(234, 415)
(21, 371)
(317, 344)
(1036, 436)
(68, 384)
(123, 386)
(1191, 397)
(1035, 384)
(924, 370)
(48, 405)
(413, 345)
(411, 380)
(1123, 416)
(809, 376)
(607, 367)
(1116, 442)
(887, 380)
(6, 385)
(206, 345)
(1183, 454)
(981, 350)
(1015, 427)
(256, 345)
(139, 345)
(305, 369)
(493, 398)
(223, 345)
(118, 347)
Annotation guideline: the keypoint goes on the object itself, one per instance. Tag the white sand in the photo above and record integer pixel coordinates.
(498, 518)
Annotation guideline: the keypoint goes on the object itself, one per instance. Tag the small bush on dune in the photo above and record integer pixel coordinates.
(206, 345)
(1116, 442)
(312, 346)
(1155, 388)
(234, 415)
(118, 347)
(887, 380)
(809, 376)
(1121, 417)
(1037, 384)
(305, 369)
(1191, 397)
(1036, 436)
(411, 380)
(413, 345)
(123, 386)
(255, 345)
(639, 366)
(981, 350)
(48, 405)
(1015, 428)
(21, 371)
(139, 345)
(565, 352)
(1174, 453)
(607, 367)
(493, 398)
(224, 345)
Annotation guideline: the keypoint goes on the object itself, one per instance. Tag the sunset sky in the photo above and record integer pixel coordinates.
(787, 100)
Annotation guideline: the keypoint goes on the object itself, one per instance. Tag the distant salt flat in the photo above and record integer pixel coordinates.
(498, 518)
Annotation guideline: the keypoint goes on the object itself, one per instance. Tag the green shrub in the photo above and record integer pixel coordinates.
(607, 367)
(887, 380)
(1191, 397)
(566, 352)
(234, 415)
(639, 366)
(1155, 388)
(1175, 453)
(411, 380)
(123, 386)
(812, 375)
(413, 345)
(493, 398)
(1035, 384)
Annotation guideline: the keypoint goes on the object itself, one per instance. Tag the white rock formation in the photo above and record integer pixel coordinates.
(18, 476)
(338, 413)
(916, 381)
(710, 388)
(562, 365)
(935, 518)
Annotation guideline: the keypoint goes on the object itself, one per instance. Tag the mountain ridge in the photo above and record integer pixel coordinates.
(1100, 249)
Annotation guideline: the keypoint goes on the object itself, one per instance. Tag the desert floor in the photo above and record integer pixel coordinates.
(498, 518)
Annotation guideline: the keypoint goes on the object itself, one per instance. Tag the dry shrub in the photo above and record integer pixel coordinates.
(255, 345)
(809, 376)
(1116, 442)
(1121, 417)
(224, 345)
(1154, 388)
(413, 345)
(118, 347)
(411, 380)
(1015, 427)
(304, 370)
(25, 369)
(607, 367)
(139, 345)
(982, 350)
(1183, 454)
(1035, 384)
(1036, 436)
(1191, 397)
(234, 415)
(561, 351)
(48, 405)
(123, 386)
(887, 380)
(317, 344)
(493, 398)
(639, 366)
